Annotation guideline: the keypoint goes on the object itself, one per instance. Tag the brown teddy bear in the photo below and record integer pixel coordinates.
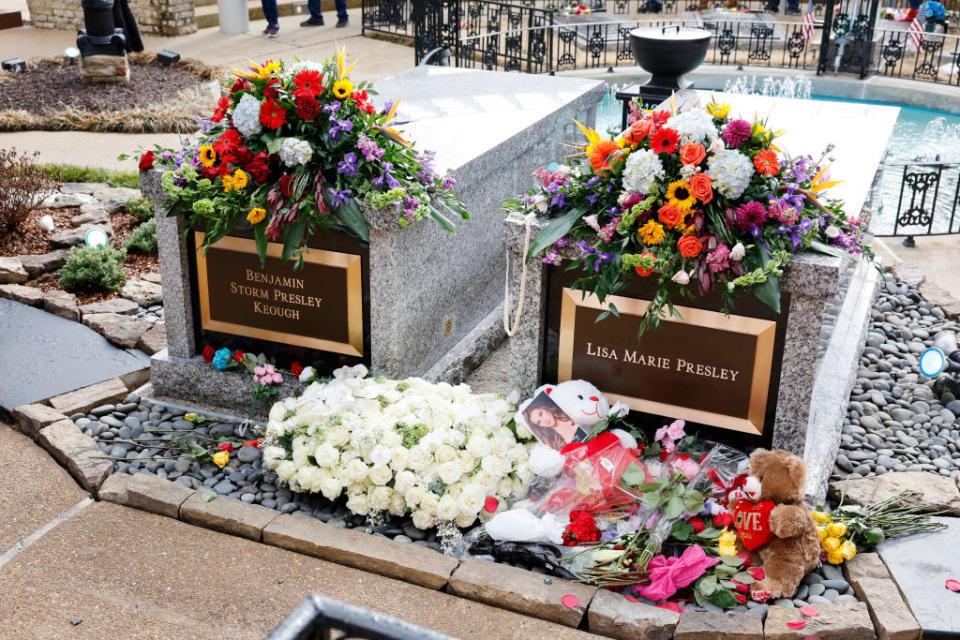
(776, 524)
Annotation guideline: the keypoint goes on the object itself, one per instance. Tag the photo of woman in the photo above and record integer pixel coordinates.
(549, 424)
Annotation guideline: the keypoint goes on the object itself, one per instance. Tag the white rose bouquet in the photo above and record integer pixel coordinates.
(438, 452)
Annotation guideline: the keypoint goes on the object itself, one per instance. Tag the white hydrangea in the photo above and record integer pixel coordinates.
(435, 451)
(641, 171)
(246, 116)
(731, 172)
(695, 125)
(294, 151)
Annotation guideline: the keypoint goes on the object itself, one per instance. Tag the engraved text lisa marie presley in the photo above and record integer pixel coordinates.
(679, 364)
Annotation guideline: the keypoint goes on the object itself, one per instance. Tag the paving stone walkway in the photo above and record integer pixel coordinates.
(45, 355)
(126, 573)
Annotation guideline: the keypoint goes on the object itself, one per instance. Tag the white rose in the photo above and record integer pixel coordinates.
(423, 520)
(380, 455)
(450, 472)
(326, 455)
(277, 412)
(286, 470)
(338, 436)
(472, 498)
(397, 505)
(430, 502)
(505, 487)
(414, 495)
(399, 459)
(403, 481)
(307, 373)
(308, 478)
(380, 475)
(447, 509)
(681, 277)
(330, 487)
(465, 520)
(379, 498)
(391, 439)
(487, 481)
(478, 446)
(738, 252)
(358, 504)
(495, 466)
(419, 458)
(466, 460)
(273, 454)
(522, 431)
(356, 470)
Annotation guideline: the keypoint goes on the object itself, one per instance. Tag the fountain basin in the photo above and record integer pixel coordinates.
(667, 53)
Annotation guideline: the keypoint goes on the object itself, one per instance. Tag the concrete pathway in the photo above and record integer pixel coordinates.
(131, 574)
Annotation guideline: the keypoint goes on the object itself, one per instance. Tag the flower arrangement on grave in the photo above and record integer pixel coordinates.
(437, 452)
(266, 379)
(291, 149)
(695, 199)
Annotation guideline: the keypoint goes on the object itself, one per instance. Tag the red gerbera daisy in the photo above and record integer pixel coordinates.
(221, 109)
(660, 117)
(272, 114)
(665, 140)
(308, 83)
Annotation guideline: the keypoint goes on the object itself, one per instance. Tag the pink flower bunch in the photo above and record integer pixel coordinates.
(267, 375)
(669, 435)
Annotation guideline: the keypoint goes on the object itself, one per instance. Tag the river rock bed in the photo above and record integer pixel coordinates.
(897, 418)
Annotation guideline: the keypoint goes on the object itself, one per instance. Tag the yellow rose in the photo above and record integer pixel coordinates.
(838, 529)
(257, 214)
(191, 417)
(848, 549)
(832, 544)
(821, 517)
(834, 558)
(727, 543)
(822, 532)
(221, 458)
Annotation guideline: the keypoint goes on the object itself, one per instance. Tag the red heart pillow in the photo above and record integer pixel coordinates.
(752, 521)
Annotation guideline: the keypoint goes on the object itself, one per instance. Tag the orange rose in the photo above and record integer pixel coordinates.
(692, 153)
(638, 131)
(700, 187)
(689, 246)
(669, 215)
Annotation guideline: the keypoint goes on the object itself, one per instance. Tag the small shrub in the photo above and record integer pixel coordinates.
(143, 239)
(23, 185)
(110, 177)
(90, 269)
(141, 208)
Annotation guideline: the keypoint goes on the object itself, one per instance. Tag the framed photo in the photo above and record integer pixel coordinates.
(550, 424)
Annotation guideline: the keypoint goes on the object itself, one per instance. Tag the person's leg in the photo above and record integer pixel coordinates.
(270, 12)
(342, 16)
(773, 6)
(316, 14)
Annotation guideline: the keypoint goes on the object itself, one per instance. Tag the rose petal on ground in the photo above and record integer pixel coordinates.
(797, 624)
(953, 585)
(810, 612)
(570, 600)
(491, 504)
(631, 598)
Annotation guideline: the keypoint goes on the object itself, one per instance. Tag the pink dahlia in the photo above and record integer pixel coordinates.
(736, 133)
(749, 214)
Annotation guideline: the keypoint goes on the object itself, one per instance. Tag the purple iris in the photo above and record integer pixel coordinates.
(559, 200)
(348, 165)
(338, 126)
(331, 108)
(339, 197)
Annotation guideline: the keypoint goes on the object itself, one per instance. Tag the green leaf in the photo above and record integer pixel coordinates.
(674, 508)
(554, 231)
(614, 311)
(633, 475)
(293, 238)
(693, 501)
(732, 561)
(743, 578)
(707, 585)
(725, 570)
(208, 496)
(603, 316)
(700, 598)
(649, 486)
(709, 533)
(352, 218)
(444, 223)
(681, 530)
(769, 292)
(724, 599)
(831, 250)
(274, 145)
(260, 235)
(652, 499)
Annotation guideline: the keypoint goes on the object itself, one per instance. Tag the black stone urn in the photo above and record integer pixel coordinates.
(100, 36)
(667, 53)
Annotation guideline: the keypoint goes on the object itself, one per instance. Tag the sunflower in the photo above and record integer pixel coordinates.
(207, 155)
(651, 233)
(602, 153)
(678, 194)
(342, 89)
(256, 215)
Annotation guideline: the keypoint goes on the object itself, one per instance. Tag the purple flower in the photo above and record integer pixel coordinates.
(559, 200)
(561, 243)
(331, 108)
(348, 165)
(750, 214)
(336, 126)
(608, 535)
(370, 150)
(719, 258)
(736, 132)
(552, 258)
(339, 197)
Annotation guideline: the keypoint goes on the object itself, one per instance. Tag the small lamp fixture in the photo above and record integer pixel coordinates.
(167, 57)
(72, 54)
(14, 65)
(299, 7)
(96, 238)
(46, 223)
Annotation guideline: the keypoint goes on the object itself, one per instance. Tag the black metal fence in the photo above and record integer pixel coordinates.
(318, 617)
(925, 197)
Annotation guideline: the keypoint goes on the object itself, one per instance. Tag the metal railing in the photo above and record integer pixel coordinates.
(317, 617)
(926, 194)
(936, 60)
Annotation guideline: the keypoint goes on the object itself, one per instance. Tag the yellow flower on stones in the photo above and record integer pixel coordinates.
(831, 544)
(822, 532)
(221, 458)
(838, 529)
(191, 417)
(207, 155)
(651, 233)
(256, 215)
(342, 89)
(680, 196)
(821, 517)
(848, 549)
(834, 558)
(718, 109)
(727, 543)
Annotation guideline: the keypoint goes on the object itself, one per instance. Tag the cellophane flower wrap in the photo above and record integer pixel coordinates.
(695, 199)
(290, 149)
(434, 451)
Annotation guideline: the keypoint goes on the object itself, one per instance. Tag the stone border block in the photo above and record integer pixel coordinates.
(612, 615)
(835, 622)
(874, 585)
(114, 488)
(82, 400)
(228, 515)
(75, 450)
(699, 625)
(407, 562)
(31, 418)
(156, 495)
(520, 590)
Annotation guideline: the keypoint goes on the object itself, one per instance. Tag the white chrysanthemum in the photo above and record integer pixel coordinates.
(246, 116)
(641, 171)
(695, 125)
(731, 172)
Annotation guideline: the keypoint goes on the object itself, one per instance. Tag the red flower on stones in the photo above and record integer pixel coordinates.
(221, 110)
(253, 443)
(208, 354)
(296, 369)
(238, 356)
(272, 114)
(146, 161)
(225, 446)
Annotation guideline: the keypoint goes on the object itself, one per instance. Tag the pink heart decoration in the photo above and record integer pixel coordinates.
(570, 601)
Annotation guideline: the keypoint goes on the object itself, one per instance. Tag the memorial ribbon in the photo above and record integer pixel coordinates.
(528, 221)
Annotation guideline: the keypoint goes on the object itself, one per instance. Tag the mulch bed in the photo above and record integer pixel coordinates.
(47, 86)
(29, 238)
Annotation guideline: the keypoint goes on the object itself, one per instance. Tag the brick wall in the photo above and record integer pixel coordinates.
(165, 17)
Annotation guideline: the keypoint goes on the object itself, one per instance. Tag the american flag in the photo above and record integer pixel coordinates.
(807, 29)
(916, 33)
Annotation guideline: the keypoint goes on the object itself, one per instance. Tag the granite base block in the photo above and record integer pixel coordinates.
(471, 351)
